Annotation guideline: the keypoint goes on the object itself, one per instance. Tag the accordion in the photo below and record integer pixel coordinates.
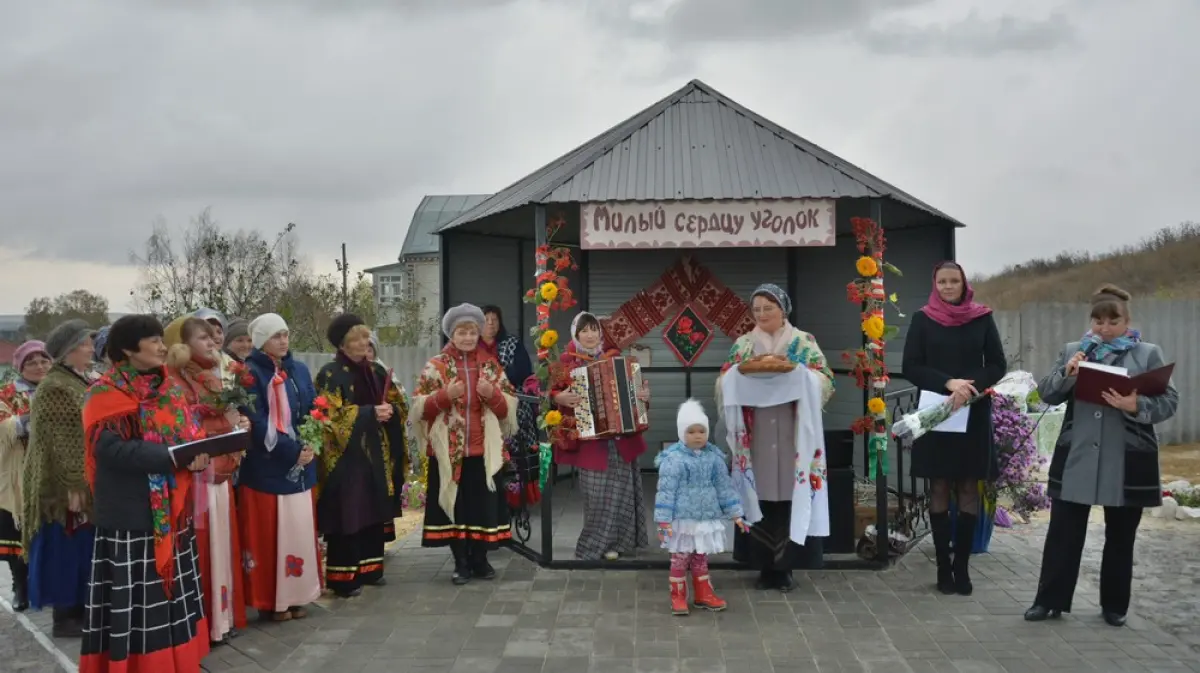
(609, 405)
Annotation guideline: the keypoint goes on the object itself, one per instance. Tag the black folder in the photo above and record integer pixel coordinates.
(220, 445)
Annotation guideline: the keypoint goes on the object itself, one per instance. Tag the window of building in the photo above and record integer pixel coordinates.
(391, 287)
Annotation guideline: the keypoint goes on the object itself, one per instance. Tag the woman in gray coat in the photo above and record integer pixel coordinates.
(1105, 455)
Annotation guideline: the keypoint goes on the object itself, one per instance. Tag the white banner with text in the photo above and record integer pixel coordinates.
(776, 223)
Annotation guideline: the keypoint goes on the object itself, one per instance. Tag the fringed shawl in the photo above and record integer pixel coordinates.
(445, 437)
(150, 406)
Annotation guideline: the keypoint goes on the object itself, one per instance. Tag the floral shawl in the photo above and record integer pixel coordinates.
(446, 435)
(151, 407)
(202, 386)
(810, 496)
(14, 412)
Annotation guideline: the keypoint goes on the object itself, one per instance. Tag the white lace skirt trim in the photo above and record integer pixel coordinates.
(689, 536)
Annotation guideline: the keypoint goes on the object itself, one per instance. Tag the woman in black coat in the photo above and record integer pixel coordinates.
(953, 348)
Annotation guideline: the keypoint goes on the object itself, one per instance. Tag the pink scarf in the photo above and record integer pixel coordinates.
(953, 315)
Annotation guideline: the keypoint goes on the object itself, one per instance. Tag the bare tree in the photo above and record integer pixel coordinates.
(237, 273)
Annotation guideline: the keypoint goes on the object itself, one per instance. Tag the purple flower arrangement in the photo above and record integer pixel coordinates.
(412, 495)
(1014, 433)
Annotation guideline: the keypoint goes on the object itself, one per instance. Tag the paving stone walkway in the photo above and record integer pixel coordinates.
(532, 620)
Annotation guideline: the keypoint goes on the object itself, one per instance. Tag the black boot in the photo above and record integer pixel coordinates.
(462, 563)
(766, 580)
(939, 525)
(480, 568)
(784, 581)
(67, 624)
(20, 580)
(964, 539)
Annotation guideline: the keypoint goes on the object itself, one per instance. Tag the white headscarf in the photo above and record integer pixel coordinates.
(594, 352)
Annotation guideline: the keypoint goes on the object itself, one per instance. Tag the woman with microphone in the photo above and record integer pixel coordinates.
(1105, 455)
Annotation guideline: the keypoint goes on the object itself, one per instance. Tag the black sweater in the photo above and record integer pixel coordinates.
(122, 483)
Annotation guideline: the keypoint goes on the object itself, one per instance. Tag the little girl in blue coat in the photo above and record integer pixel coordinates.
(695, 498)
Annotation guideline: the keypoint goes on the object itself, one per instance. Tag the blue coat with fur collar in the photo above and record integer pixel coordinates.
(694, 485)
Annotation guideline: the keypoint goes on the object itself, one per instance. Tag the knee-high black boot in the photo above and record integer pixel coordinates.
(964, 539)
(939, 525)
(462, 562)
(20, 580)
(67, 623)
(480, 568)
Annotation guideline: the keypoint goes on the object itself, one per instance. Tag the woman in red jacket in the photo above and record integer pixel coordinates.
(614, 507)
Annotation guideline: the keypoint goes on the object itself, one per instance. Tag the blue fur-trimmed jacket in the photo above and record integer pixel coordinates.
(694, 485)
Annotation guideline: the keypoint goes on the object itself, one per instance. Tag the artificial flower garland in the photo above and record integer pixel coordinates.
(870, 370)
(551, 292)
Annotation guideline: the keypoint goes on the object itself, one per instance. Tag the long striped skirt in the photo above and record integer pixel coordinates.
(614, 509)
(131, 624)
(10, 537)
(480, 515)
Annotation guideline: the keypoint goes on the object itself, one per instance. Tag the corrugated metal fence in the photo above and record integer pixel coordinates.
(1034, 335)
(406, 361)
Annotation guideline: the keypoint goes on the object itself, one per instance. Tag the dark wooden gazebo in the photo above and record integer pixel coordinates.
(697, 148)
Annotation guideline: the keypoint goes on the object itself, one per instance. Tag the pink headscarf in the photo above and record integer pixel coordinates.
(25, 351)
(953, 315)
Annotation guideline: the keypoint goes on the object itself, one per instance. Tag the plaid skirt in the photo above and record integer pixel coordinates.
(130, 622)
(614, 509)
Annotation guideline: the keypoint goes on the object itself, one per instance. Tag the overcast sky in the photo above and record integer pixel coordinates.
(1042, 124)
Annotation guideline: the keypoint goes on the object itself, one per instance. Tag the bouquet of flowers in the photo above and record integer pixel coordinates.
(412, 494)
(312, 432)
(1016, 385)
(914, 425)
(1013, 432)
(236, 395)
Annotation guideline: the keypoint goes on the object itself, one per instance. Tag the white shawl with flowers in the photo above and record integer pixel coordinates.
(810, 497)
(447, 433)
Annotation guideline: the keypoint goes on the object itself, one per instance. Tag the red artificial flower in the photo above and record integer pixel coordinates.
(321, 402)
(684, 325)
(318, 415)
(697, 337)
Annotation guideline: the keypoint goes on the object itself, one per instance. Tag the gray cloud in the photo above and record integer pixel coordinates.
(973, 36)
(692, 21)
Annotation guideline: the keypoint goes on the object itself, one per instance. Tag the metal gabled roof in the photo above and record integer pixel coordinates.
(434, 211)
(694, 144)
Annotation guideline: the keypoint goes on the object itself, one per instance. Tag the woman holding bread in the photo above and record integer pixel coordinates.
(768, 439)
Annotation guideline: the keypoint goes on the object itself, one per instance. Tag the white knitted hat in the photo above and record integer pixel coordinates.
(691, 413)
(266, 326)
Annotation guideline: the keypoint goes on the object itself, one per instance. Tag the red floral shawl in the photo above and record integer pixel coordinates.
(152, 407)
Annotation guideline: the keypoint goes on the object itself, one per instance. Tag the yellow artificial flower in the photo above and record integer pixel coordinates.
(549, 338)
(876, 406)
(553, 418)
(549, 291)
(873, 328)
(866, 267)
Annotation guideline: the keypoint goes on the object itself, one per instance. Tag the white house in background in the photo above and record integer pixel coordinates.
(418, 273)
(390, 282)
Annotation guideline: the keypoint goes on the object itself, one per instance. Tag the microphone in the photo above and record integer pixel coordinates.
(1087, 353)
